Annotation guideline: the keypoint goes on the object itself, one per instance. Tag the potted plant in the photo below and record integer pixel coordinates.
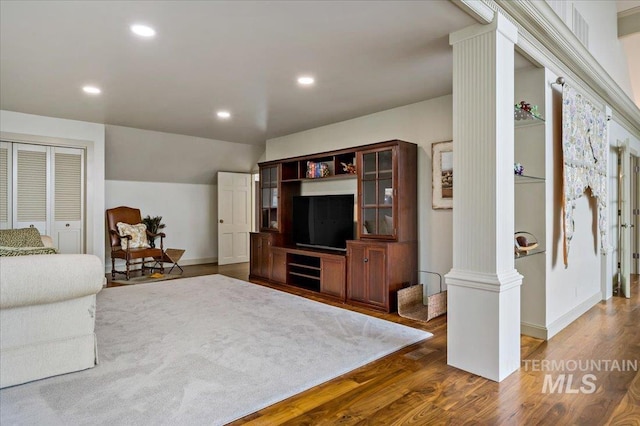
(154, 225)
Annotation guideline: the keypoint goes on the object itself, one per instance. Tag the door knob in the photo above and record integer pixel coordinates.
(67, 225)
(366, 260)
(31, 226)
(221, 221)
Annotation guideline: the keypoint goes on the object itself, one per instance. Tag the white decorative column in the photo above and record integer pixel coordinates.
(483, 287)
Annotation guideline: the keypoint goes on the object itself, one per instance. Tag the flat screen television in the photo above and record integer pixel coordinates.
(323, 221)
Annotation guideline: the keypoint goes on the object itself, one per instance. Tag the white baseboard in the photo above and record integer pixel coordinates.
(546, 333)
(566, 319)
(534, 330)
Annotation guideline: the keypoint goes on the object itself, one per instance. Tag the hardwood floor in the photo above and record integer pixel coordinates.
(416, 386)
(239, 271)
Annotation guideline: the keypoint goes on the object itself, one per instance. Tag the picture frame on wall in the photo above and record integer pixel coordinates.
(442, 177)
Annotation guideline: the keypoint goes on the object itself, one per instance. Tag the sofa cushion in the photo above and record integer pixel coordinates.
(138, 234)
(24, 251)
(41, 279)
(24, 237)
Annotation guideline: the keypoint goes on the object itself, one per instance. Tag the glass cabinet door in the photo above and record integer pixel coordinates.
(269, 198)
(377, 190)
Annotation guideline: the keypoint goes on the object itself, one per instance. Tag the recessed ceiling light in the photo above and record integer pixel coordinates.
(306, 80)
(92, 90)
(223, 114)
(143, 30)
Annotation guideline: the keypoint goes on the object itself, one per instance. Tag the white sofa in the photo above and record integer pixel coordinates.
(47, 315)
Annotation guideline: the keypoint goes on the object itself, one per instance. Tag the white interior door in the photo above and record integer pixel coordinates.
(234, 217)
(31, 187)
(68, 199)
(624, 211)
(635, 215)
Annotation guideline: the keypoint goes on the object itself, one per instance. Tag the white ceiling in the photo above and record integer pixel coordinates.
(244, 56)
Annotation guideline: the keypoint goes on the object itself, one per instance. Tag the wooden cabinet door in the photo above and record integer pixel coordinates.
(260, 255)
(265, 245)
(255, 253)
(376, 274)
(332, 277)
(278, 265)
(357, 280)
(269, 198)
(377, 191)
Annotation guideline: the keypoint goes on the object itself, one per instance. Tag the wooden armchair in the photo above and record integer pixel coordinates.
(132, 217)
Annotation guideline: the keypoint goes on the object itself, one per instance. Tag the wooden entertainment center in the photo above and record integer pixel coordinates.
(383, 256)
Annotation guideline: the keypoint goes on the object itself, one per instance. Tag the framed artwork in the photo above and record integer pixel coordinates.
(442, 179)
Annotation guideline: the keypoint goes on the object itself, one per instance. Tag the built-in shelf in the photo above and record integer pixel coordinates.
(528, 179)
(527, 124)
(316, 268)
(530, 253)
(298, 274)
(521, 115)
(296, 169)
(331, 177)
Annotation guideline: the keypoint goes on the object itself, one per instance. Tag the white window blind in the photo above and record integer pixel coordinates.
(4, 184)
(32, 186)
(68, 187)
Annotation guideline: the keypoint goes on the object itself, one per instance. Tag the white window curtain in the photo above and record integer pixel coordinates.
(585, 156)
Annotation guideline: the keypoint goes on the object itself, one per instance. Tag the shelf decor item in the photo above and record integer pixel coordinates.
(526, 111)
(317, 170)
(442, 178)
(349, 168)
(524, 242)
(518, 169)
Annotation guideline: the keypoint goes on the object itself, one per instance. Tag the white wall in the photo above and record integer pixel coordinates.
(189, 211)
(27, 127)
(147, 156)
(174, 176)
(422, 123)
(604, 45)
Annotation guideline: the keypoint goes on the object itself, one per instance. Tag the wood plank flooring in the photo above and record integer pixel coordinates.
(416, 386)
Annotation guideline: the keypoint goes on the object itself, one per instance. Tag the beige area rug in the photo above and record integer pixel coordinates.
(147, 279)
(203, 351)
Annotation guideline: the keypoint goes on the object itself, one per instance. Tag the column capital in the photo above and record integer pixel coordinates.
(499, 24)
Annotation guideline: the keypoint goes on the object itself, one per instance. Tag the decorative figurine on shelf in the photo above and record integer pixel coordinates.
(525, 110)
(518, 169)
(349, 168)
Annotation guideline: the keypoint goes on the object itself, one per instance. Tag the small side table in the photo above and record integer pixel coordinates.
(171, 256)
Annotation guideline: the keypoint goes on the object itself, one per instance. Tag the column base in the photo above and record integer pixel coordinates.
(483, 322)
